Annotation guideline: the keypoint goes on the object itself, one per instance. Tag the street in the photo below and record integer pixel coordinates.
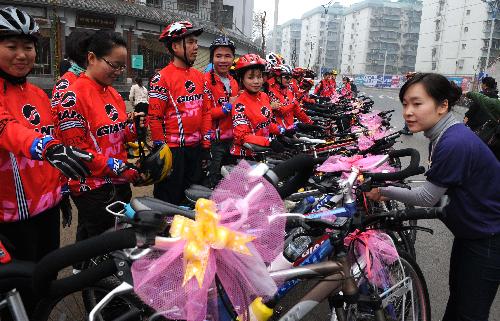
(433, 251)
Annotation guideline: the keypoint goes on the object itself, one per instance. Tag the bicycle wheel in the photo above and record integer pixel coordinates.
(77, 305)
(405, 298)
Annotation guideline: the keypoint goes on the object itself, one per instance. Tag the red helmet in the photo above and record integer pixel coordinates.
(179, 30)
(250, 61)
(298, 72)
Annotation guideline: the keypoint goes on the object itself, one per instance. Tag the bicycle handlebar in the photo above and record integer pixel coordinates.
(412, 169)
(300, 168)
(424, 213)
(46, 270)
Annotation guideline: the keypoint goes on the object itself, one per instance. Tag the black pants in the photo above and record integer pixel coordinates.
(93, 219)
(474, 279)
(32, 240)
(186, 170)
(220, 155)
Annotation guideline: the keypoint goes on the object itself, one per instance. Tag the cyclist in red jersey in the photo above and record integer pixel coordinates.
(92, 115)
(252, 116)
(346, 89)
(30, 187)
(325, 87)
(224, 90)
(180, 101)
(297, 76)
(285, 106)
(305, 87)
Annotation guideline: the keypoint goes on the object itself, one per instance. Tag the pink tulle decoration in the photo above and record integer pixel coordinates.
(246, 204)
(338, 163)
(377, 250)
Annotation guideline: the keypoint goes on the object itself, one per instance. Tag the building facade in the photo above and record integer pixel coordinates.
(381, 35)
(290, 41)
(454, 37)
(273, 40)
(321, 38)
(140, 22)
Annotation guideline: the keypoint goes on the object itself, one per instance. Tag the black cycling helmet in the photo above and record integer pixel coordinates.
(155, 167)
(221, 41)
(14, 22)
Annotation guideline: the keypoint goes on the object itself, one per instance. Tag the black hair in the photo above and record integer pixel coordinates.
(240, 74)
(437, 86)
(76, 46)
(138, 80)
(64, 66)
(490, 82)
(103, 41)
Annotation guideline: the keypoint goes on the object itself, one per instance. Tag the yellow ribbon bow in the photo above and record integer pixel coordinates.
(204, 234)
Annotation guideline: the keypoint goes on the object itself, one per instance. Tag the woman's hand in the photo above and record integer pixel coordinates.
(375, 195)
(275, 105)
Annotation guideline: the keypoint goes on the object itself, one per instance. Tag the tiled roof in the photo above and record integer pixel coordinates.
(146, 13)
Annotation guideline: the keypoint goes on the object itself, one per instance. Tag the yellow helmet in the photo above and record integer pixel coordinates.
(334, 71)
(155, 167)
(233, 66)
(133, 149)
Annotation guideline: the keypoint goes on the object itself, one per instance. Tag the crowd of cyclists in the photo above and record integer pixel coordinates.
(74, 143)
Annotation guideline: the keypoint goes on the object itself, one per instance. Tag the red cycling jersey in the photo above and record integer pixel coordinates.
(303, 97)
(29, 186)
(252, 122)
(222, 125)
(294, 87)
(93, 118)
(179, 100)
(289, 109)
(325, 88)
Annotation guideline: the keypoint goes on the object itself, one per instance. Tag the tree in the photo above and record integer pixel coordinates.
(260, 27)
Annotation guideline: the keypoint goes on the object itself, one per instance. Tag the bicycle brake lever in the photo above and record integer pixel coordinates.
(418, 228)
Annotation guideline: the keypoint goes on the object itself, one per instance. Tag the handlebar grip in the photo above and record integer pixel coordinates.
(427, 213)
(46, 270)
(300, 168)
(412, 169)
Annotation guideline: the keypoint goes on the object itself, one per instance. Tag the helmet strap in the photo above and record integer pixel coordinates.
(188, 63)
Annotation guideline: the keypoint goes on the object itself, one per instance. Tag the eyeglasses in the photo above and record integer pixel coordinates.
(287, 77)
(113, 66)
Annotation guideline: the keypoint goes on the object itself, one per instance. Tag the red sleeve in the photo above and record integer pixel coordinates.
(317, 90)
(301, 115)
(206, 122)
(284, 109)
(242, 131)
(14, 137)
(75, 131)
(159, 98)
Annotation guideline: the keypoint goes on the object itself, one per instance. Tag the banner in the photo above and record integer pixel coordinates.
(371, 80)
(359, 80)
(138, 61)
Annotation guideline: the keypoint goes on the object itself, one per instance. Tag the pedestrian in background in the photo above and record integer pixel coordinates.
(139, 96)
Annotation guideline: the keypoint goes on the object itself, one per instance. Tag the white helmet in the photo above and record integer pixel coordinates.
(14, 22)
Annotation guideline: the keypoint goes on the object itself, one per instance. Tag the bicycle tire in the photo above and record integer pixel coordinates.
(77, 305)
(419, 285)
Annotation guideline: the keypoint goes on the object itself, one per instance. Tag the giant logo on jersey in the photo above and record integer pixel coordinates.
(239, 108)
(68, 100)
(62, 84)
(155, 79)
(111, 111)
(190, 86)
(265, 112)
(31, 114)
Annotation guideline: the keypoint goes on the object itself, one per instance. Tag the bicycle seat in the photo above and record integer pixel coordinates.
(16, 274)
(195, 192)
(152, 204)
(257, 148)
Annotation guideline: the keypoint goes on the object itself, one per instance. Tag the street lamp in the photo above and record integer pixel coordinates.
(494, 6)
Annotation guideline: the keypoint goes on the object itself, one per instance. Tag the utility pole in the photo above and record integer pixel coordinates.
(276, 7)
(325, 40)
(494, 6)
(262, 30)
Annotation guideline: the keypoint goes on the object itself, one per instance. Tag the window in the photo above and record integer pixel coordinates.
(188, 5)
(434, 65)
(154, 3)
(468, 12)
(227, 16)
(466, 29)
(464, 46)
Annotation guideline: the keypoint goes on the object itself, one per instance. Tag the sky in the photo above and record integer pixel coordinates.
(290, 9)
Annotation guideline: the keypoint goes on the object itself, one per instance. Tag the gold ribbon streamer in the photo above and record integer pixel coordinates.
(204, 234)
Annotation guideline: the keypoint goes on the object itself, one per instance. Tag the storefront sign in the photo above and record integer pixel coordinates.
(138, 62)
(89, 20)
